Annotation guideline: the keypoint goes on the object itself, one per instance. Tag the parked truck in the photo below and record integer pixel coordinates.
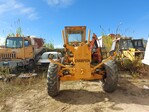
(21, 52)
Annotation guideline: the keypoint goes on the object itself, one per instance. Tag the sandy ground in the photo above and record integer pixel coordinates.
(82, 96)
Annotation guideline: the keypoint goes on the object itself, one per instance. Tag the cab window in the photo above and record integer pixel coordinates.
(26, 43)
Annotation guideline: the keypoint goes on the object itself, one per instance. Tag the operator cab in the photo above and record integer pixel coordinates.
(139, 44)
(126, 44)
(74, 35)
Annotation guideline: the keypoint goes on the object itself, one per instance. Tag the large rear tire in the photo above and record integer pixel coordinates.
(111, 77)
(53, 81)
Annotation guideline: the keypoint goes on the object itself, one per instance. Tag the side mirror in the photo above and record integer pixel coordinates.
(50, 56)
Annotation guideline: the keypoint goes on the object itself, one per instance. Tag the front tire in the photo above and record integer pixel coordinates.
(31, 65)
(111, 77)
(53, 81)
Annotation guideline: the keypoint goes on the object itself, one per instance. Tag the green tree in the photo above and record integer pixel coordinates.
(11, 34)
(49, 45)
(107, 40)
(18, 29)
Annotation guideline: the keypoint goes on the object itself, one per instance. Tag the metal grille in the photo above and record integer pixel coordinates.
(7, 55)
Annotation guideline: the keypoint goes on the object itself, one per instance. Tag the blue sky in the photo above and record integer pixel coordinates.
(46, 18)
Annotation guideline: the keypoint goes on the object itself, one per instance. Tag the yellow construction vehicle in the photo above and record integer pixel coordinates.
(82, 61)
(21, 52)
(125, 49)
(139, 44)
(127, 55)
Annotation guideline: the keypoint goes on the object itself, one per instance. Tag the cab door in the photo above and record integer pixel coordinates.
(28, 49)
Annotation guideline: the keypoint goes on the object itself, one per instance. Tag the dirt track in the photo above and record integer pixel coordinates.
(82, 96)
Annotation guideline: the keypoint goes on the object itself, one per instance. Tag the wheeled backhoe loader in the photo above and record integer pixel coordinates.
(82, 61)
(125, 49)
(127, 55)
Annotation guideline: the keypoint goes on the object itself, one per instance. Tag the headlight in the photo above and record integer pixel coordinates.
(20, 64)
(5, 63)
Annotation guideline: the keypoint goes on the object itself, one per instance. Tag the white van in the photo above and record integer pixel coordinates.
(146, 56)
(44, 58)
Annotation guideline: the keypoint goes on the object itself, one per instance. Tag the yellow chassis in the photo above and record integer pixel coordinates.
(89, 74)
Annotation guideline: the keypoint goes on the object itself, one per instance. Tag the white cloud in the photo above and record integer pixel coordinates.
(59, 3)
(33, 16)
(27, 10)
(2, 40)
(15, 7)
